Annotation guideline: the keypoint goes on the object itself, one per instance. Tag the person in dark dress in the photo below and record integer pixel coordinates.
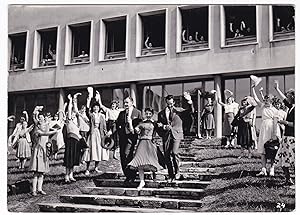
(127, 120)
(243, 121)
(72, 152)
(207, 115)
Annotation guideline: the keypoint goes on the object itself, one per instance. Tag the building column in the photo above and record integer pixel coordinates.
(133, 93)
(61, 99)
(218, 107)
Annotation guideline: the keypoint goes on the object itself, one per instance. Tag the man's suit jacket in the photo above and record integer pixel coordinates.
(175, 123)
(122, 126)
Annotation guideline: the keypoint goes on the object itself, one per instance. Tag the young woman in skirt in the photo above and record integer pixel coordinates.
(39, 162)
(97, 131)
(72, 144)
(269, 129)
(145, 158)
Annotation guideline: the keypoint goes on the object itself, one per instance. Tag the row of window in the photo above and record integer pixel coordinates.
(239, 26)
(152, 95)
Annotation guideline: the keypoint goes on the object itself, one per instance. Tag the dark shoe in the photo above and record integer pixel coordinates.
(41, 192)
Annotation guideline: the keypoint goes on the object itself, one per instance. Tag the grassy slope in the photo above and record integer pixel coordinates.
(236, 188)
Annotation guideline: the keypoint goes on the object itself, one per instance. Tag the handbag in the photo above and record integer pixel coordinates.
(271, 148)
(107, 142)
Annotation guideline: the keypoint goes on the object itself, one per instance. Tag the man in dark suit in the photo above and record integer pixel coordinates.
(127, 120)
(171, 131)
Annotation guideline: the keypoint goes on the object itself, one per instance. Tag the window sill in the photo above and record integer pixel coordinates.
(78, 63)
(113, 59)
(17, 70)
(239, 44)
(151, 55)
(281, 39)
(283, 36)
(44, 67)
(193, 50)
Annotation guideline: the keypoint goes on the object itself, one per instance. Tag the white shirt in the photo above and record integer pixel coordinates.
(129, 111)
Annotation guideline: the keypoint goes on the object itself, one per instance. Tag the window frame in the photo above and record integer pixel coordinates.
(139, 32)
(68, 42)
(11, 34)
(271, 28)
(223, 27)
(179, 28)
(102, 37)
(37, 47)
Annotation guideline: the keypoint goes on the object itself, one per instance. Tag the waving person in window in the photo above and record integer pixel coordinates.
(51, 52)
(190, 39)
(148, 44)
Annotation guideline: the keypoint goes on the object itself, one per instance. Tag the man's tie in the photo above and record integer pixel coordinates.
(170, 115)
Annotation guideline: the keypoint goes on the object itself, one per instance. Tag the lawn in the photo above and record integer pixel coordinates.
(234, 189)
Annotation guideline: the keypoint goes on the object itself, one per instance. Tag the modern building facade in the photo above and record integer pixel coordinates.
(146, 51)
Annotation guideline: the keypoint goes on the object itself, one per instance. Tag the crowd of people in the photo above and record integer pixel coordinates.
(88, 134)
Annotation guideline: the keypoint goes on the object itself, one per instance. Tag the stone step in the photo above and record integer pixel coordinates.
(68, 207)
(131, 201)
(199, 147)
(152, 184)
(205, 174)
(195, 164)
(168, 192)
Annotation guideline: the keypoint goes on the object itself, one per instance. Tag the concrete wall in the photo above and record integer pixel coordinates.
(217, 60)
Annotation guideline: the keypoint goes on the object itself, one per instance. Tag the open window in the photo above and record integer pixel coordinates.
(239, 24)
(78, 43)
(17, 48)
(151, 33)
(192, 24)
(282, 22)
(45, 46)
(113, 38)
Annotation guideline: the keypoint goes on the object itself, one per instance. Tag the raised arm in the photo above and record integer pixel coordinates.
(11, 118)
(276, 86)
(196, 36)
(218, 98)
(26, 115)
(75, 102)
(104, 108)
(255, 96)
(183, 37)
(89, 98)
(146, 43)
(70, 107)
(50, 52)
(261, 92)
(35, 114)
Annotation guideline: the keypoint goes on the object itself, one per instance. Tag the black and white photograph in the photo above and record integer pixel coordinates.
(149, 108)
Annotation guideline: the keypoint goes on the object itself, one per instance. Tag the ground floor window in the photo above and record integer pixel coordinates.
(153, 96)
(17, 103)
(241, 87)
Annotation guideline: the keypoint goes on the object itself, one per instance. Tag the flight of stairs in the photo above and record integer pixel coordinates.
(111, 195)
